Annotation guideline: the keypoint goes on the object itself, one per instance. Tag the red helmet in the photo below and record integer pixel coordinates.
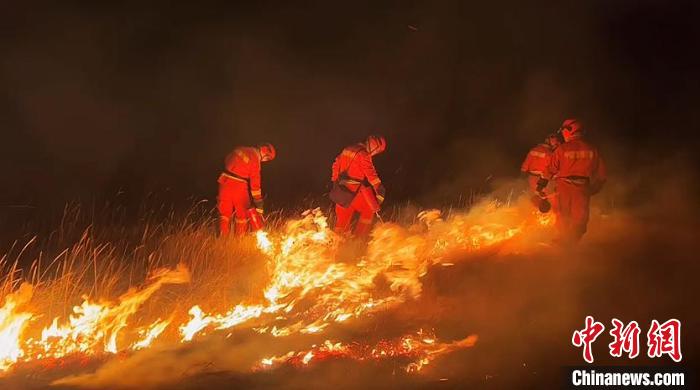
(553, 140)
(570, 128)
(375, 144)
(267, 152)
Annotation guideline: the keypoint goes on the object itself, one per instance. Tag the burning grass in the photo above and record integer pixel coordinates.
(118, 290)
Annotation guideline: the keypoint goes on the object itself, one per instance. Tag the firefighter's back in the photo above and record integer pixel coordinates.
(577, 158)
(537, 159)
(241, 160)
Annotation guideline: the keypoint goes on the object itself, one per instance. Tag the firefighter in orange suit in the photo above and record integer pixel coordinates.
(238, 183)
(354, 169)
(535, 166)
(537, 160)
(579, 172)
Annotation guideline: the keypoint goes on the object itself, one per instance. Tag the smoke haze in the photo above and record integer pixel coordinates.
(136, 98)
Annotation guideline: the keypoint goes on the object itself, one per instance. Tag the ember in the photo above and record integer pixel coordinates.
(417, 350)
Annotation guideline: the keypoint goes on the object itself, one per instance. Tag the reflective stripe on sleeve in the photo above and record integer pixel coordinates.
(241, 154)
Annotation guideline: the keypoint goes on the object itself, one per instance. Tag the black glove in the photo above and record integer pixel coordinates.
(541, 184)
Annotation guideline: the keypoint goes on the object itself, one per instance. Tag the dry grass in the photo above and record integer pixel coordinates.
(103, 254)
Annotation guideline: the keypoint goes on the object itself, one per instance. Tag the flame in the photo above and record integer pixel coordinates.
(93, 323)
(302, 262)
(93, 327)
(150, 333)
(545, 219)
(12, 323)
(264, 242)
(416, 349)
(307, 357)
(199, 321)
(315, 279)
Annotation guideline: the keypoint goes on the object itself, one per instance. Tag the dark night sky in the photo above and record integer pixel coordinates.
(142, 97)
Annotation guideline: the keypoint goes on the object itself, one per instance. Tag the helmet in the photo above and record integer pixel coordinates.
(267, 152)
(553, 140)
(570, 128)
(375, 144)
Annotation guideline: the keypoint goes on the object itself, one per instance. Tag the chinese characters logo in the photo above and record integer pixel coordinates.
(662, 339)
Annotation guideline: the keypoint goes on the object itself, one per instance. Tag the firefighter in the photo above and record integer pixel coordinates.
(238, 184)
(535, 165)
(579, 172)
(354, 174)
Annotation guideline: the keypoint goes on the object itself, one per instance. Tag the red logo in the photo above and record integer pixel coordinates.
(586, 336)
(665, 339)
(625, 339)
(662, 339)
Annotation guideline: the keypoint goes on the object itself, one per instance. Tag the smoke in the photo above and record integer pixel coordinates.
(137, 98)
(158, 367)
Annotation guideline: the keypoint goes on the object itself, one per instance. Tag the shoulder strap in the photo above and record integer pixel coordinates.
(345, 171)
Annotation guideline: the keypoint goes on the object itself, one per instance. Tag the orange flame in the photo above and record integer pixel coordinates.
(150, 333)
(310, 287)
(418, 350)
(12, 323)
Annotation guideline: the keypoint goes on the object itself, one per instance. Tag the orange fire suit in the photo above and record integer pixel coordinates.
(535, 164)
(579, 172)
(237, 184)
(354, 169)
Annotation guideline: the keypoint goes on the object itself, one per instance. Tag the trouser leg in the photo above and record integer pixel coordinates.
(365, 204)
(241, 222)
(225, 211)
(580, 211)
(241, 204)
(553, 197)
(364, 224)
(225, 206)
(343, 217)
(563, 211)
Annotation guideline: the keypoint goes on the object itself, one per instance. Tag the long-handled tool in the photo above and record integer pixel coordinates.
(379, 216)
(256, 220)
